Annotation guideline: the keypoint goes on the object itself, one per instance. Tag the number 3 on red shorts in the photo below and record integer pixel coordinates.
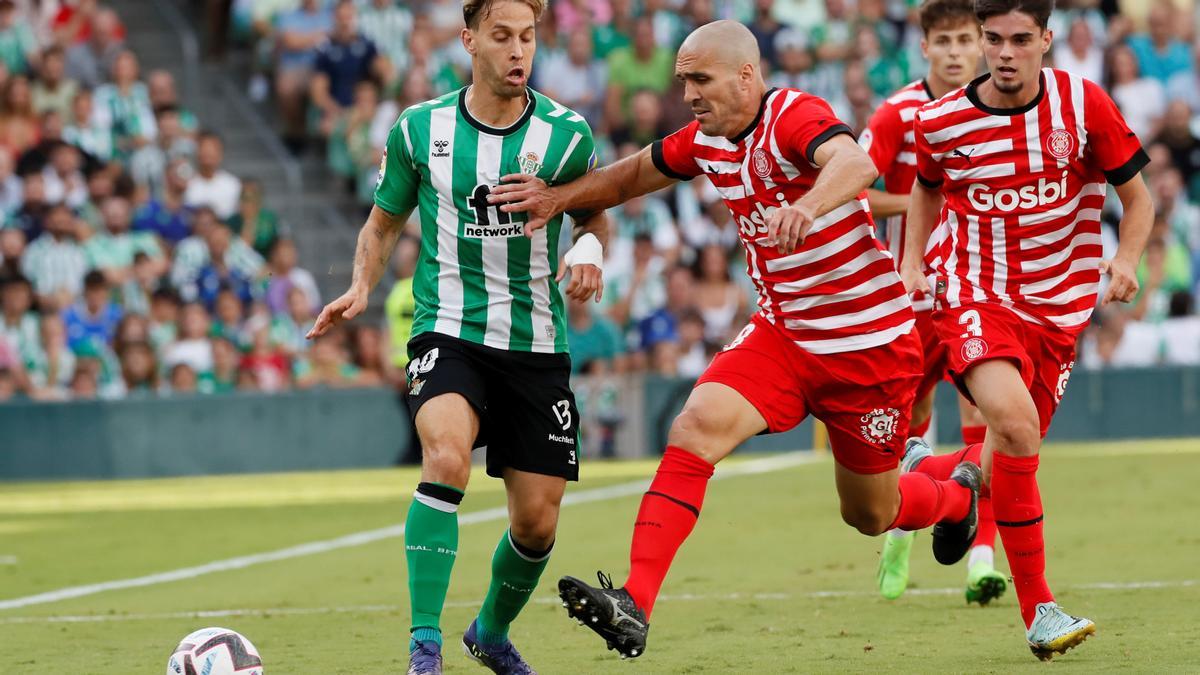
(971, 320)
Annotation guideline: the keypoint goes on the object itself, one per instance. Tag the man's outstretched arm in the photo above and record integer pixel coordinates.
(595, 191)
(376, 241)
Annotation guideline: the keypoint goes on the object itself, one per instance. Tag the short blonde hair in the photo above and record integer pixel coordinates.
(475, 10)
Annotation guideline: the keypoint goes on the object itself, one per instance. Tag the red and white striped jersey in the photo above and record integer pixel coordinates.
(1024, 188)
(889, 140)
(839, 291)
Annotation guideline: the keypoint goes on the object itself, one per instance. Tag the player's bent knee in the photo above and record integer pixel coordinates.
(446, 462)
(1015, 435)
(700, 433)
(868, 520)
(535, 530)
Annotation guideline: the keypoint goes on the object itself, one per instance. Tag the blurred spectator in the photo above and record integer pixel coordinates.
(192, 346)
(84, 385)
(288, 328)
(18, 44)
(594, 339)
(193, 254)
(213, 186)
(1141, 99)
(164, 317)
(54, 363)
(1159, 53)
(366, 354)
(63, 176)
(400, 307)
(345, 59)
(228, 321)
(328, 366)
(88, 131)
(160, 87)
(635, 294)
(89, 63)
(184, 379)
(285, 275)
(351, 153)
(224, 374)
(268, 365)
(124, 107)
(148, 164)
(165, 215)
(765, 27)
(53, 90)
(12, 246)
(721, 302)
(92, 322)
(1165, 269)
(693, 350)
(138, 290)
(254, 223)
(573, 15)
(139, 370)
(643, 65)
(645, 123)
(55, 262)
(1079, 53)
(18, 122)
(388, 24)
(576, 79)
(8, 384)
(131, 328)
(10, 188)
(1117, 341)
(18, 324)
(221, 272)
(1179, 138)
(111, 251)
(300, 31)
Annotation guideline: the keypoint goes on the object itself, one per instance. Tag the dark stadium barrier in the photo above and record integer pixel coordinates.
(194, 435)
(298, 431)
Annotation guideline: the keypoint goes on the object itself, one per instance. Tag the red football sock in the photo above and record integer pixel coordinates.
(974, 434)
(668, 513)
(985, 534)
(940, 466)
(1017, 505)
(925, 501)
(920, 429)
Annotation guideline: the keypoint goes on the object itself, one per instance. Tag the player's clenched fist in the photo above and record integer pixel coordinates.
(352, 303)
(520, 193)
(788, 226)
(915, 282)
(1123, 283)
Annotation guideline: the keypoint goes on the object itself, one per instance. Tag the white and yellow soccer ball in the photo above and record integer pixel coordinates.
(215, 651)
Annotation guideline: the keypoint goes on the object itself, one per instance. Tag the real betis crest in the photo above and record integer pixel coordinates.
(529, 163)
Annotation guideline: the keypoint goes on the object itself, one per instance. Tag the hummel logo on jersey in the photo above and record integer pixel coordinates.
(439, 148)
(619, 615)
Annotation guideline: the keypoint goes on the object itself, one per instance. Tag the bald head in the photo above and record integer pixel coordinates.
(718, 64)
(726, 42)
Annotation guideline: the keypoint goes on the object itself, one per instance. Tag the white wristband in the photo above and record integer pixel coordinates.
(586, 251)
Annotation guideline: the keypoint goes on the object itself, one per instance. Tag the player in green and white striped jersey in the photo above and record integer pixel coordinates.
(489, 363)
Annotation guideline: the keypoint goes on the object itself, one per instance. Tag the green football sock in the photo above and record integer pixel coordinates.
(515, 573)
(430, 546)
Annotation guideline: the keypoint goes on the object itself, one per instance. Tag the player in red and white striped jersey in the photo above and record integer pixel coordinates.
(951, 44)
(1017, 162)
(832, 337)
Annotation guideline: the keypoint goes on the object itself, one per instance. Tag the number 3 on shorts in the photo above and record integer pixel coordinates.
(971, 320)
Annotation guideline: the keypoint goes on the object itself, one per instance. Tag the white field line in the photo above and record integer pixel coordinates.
(606, 493)
(683, 597)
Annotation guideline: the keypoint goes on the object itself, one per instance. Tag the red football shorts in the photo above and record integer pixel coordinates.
(864, 397)
(980, 332)
(935, 354)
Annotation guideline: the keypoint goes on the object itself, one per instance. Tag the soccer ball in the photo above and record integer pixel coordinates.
(215, 651)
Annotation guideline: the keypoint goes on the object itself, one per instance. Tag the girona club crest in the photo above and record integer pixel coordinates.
(1060, 144)
(973, 349)
(762, 163)
(879, 425)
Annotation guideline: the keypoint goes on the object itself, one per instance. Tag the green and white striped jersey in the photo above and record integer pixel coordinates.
(478, 277)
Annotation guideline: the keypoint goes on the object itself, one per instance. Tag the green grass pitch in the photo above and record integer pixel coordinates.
(770, 582)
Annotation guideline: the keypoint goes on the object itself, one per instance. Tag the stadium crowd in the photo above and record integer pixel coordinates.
(132, 263)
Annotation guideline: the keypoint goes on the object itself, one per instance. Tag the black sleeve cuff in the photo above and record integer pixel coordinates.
(811, 151)
(1124, 173)
(931, 184)
(660, 162)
